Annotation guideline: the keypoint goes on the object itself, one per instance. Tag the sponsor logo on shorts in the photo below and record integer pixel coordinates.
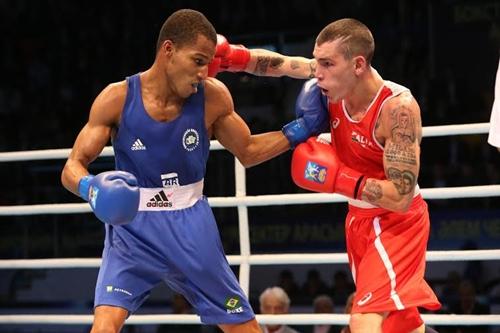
(190, 139)
(111, 289)
(365, 299)
(315, 172)
(233, 305)
(159, 200)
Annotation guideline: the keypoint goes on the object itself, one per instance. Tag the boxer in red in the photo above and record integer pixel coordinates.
(374, 160)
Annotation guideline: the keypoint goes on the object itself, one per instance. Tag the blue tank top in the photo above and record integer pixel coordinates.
(162, 154)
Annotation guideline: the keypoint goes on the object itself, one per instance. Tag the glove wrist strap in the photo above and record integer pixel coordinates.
(83, 187)
(350, 182)
(296, 132)
(360, 184)
(240, 56)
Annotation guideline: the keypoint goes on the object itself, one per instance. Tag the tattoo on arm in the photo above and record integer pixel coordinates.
(403, 125)
(277, 62)
(294, 64)
(403, 180)
(372, 192)
(264, 62)
(312, 67)
(400, 153)
(401, 147)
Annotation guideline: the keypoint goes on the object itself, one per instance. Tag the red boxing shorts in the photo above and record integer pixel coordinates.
(387, 257)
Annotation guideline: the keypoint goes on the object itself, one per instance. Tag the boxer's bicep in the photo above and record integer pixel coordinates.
(93, 137)
(403, 133)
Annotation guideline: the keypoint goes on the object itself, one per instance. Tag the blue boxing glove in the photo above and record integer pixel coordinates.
(113, 195)
(311, 110)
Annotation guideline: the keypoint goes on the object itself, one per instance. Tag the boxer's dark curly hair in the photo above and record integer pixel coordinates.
(184, 26)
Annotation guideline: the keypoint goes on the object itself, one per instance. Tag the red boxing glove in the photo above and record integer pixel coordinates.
(316, 167)
(228, 57)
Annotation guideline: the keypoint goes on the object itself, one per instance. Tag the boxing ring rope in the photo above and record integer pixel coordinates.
(291, 319)
(480, 191)
(48, 154)
(246, 259)
(254, 259)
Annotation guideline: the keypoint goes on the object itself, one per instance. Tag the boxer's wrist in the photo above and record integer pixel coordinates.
(238, 59)
(296, 132)
(84, 185)
(349, 182)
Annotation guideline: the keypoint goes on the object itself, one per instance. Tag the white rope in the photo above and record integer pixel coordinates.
(49, 154)
(444, 130)
(291, 319)
(264, 200)
(63, 153)
(253, 259)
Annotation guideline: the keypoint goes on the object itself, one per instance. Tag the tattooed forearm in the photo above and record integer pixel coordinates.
(264, 62)
(400, 153)
(403, 125)
(372, 192)
(403, 180)
(277, 62)
(294, 64)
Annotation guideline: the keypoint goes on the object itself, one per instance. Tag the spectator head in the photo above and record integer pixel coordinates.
(323, 304)
(274, 300)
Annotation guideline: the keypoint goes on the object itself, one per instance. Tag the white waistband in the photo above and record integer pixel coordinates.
(364, 204)
(170, 198)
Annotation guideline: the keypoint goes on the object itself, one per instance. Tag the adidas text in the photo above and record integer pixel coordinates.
(159, 204)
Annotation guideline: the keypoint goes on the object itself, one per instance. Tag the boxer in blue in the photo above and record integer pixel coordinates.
(159, 226)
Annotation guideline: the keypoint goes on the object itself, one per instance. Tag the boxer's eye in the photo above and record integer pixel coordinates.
(200, 61)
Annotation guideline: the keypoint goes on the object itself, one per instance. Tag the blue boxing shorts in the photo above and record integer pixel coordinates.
(181, 247)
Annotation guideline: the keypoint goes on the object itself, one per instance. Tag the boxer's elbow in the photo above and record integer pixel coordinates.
(64, 177)
(248, 160)
(69, 178)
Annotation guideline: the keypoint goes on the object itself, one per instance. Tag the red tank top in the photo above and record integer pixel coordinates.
(355, 140)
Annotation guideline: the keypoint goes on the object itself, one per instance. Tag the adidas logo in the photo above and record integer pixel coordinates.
(159, 200)
(138, 145)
